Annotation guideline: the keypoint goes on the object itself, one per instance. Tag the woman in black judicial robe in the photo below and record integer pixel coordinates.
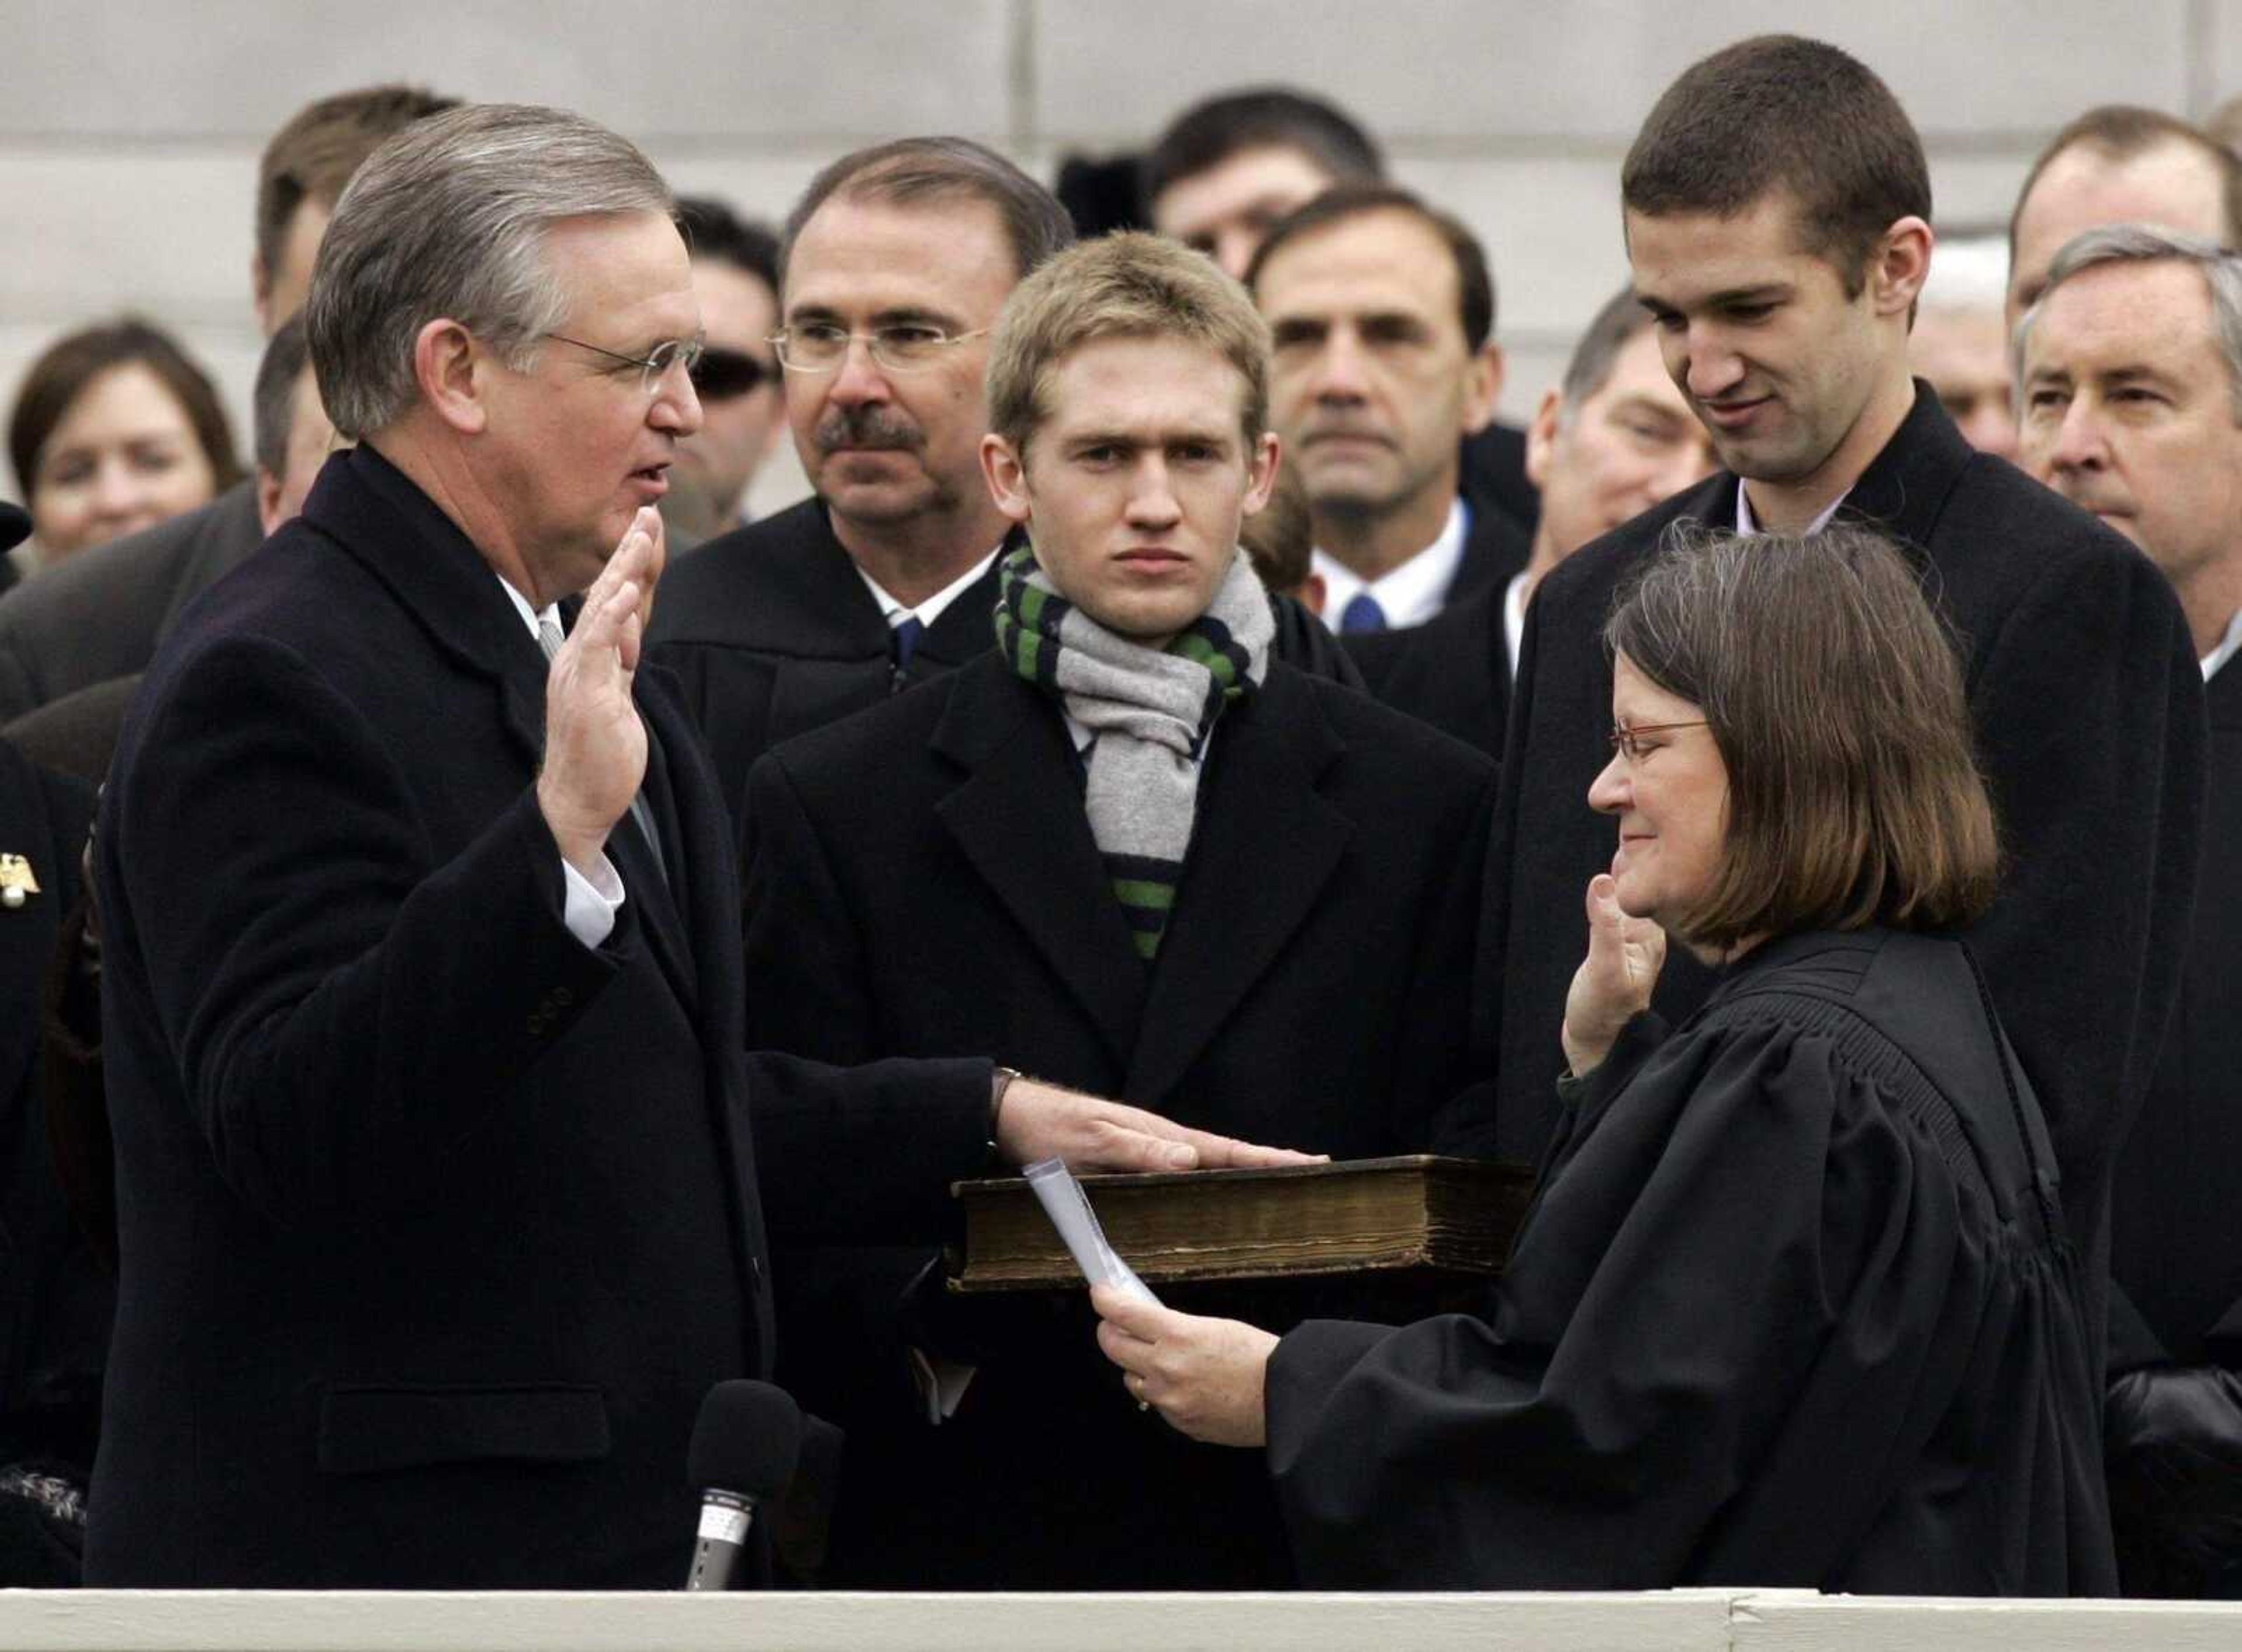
(1795, 1306)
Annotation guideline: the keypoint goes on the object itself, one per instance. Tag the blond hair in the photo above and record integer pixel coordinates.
(1122, 286)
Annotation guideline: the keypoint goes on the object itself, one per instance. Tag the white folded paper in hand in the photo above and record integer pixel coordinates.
(1069, 1208)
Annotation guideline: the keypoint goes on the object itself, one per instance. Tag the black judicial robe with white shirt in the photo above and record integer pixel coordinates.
(1794, 1307)
(2087, 704)
(921, 879)
(772, 631)
(436, 1224)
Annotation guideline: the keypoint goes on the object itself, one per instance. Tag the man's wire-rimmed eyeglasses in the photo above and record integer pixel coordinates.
(906, 346)
(655, 365)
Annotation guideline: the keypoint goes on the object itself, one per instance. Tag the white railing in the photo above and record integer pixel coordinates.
(1681, 1620)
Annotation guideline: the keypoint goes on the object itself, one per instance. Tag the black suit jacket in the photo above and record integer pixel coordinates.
(2088, 708)
(1453, 671)
(921, 880)
(2176, 1218)
(1495, 474)
(772, 634)
(436, 1224)
(101, 614)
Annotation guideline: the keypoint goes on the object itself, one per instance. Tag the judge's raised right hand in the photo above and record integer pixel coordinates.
(594, 743)
(1613, 985)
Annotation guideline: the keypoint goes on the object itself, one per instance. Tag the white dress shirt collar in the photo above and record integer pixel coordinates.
(895, 612)
(2225, 650)
(1747, 523)
(530, 617)
(1513, 618)
(1411, 594)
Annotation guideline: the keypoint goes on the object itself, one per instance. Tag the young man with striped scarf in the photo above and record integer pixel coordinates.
(1128, 852)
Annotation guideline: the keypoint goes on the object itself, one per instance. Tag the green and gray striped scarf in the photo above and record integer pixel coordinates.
(1151, 711)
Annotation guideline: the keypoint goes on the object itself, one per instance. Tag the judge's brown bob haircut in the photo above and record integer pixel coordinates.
(1835, 699)
(1782, 113)
(1129, 285)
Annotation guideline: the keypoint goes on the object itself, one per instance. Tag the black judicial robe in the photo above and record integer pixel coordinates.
(2087, 704)
(771, 633)
(1794, 1307)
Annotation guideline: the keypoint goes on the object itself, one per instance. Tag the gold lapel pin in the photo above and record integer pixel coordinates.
(17, 883)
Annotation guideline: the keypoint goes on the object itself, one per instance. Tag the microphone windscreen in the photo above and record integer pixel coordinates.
(14, 526)
(746, 1439)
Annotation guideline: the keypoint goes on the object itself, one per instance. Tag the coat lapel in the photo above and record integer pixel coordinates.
(1264, 845)
(1017, 816)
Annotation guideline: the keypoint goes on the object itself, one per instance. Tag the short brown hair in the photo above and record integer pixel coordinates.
(1131, 286)
(1779, 112)
(1836, 698)
(1207, 134)
(67, 366)
(1474, 281)
(313, 156)
(2125, 131)
(935, 172)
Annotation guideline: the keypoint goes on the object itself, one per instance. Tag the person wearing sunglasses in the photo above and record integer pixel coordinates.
(735, 277)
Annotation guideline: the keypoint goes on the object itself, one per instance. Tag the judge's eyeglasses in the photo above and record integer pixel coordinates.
(1627, 740)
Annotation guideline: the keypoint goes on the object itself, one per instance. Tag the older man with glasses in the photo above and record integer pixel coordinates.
(436, 1139)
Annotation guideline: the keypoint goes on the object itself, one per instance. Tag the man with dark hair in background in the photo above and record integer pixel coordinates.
(1776, 213)
(896, 260)
(1612, 440)
(1227, 169)
(99, 616)
(735, 277)
(1381, 311)
(2119, 164)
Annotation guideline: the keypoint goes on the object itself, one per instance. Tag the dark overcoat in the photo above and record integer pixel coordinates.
(921, 880)
(436, 1224)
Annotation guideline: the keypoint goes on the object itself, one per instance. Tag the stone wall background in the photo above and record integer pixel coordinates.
(130, 131)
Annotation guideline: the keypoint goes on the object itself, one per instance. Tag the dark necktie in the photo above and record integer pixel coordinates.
(1361, 613)
(903, 642)
(549, 638)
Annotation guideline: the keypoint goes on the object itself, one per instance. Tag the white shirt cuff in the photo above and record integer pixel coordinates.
(592, 901)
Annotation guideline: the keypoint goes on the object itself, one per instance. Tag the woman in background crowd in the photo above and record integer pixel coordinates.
(114, 430)
(1795, 1305)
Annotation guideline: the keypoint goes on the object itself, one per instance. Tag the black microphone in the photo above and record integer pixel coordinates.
(14, 526)
(743, 1452)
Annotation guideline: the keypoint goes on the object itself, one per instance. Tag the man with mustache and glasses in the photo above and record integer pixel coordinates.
(735, 277)
(895, 261)
(1382, 310)
(1777, 215)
